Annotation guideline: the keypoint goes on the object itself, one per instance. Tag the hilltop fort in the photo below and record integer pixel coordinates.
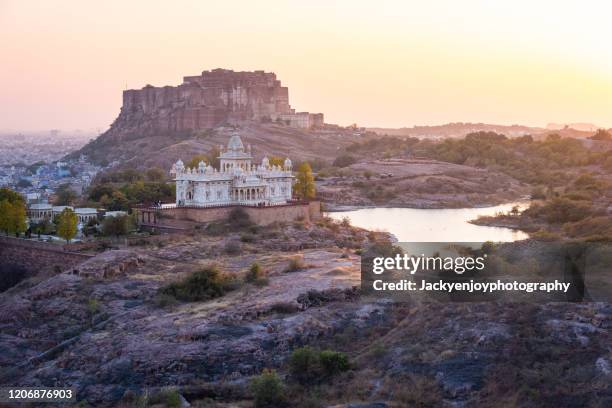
(213, 98)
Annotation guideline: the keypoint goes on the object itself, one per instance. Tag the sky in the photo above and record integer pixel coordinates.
(64, 64)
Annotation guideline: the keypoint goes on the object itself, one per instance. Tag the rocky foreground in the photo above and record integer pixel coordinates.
(104, 329)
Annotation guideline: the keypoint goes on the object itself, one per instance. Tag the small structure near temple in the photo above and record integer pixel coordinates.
(206, 194)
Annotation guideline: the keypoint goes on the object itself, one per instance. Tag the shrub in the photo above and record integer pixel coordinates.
(216, 228)
(333, 362)
(304, 364)
(173, 399)
(545, 236)
(93, 306)
(232, 247)
(268, 390)
(344, 161)
(560, 210)
(205, 284)
(256, 275)
(346, 222)
(296, 263)
(238, 218)
(592, 226)
(247, 237)
(284, 307)
(307, 364)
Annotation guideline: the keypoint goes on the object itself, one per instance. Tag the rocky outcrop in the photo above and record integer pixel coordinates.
(109, 264)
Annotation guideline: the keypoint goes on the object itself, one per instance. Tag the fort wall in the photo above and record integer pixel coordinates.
(38, 256)
(210, 99)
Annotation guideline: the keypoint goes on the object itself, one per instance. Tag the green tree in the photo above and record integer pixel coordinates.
(67, 224)
(65, 195)
(118, 225)
(18, 218)
(12, 217)
(305, 184)
(156, 174)
(6, 209)
(10, 195)
(117, 201)
(195, 160)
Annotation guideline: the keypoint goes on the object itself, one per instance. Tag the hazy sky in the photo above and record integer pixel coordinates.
(64, 64)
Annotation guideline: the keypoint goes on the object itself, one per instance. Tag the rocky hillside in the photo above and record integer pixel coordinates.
(127, 146)
(418, 183)
(108, 332)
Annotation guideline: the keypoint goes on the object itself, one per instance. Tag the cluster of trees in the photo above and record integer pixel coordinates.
(113, 197)
(537, 162)
(154, 174)
(12, 212)
(65, 195)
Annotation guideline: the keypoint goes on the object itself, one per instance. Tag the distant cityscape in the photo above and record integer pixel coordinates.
(31, 163)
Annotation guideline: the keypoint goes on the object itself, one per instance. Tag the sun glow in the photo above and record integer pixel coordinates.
(386, 63)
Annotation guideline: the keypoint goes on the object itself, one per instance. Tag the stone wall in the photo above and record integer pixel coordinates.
(38, 256)
(187, 217)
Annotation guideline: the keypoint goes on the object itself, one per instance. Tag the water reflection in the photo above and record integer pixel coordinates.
(440, 225)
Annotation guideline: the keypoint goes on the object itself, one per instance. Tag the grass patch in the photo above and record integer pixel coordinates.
(296, 263)
(256, 275)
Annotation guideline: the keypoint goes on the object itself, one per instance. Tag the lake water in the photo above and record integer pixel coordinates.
(424, 225)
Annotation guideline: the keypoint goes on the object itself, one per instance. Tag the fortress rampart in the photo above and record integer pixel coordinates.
(212, 98)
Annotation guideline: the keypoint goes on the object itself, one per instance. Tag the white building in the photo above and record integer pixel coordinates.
(237, 182)
(39, 212)
(44, 211)
(86, 214)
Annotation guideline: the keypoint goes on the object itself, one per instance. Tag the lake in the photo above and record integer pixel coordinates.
(439, 225)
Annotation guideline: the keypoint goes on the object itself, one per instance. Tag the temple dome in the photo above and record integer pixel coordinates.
(235, 143)
(265, 162)
(288, 163)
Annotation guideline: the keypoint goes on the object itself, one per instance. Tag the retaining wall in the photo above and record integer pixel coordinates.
(36, 256)
(186, 217)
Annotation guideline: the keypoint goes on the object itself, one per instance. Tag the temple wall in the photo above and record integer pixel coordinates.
(188, 217)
